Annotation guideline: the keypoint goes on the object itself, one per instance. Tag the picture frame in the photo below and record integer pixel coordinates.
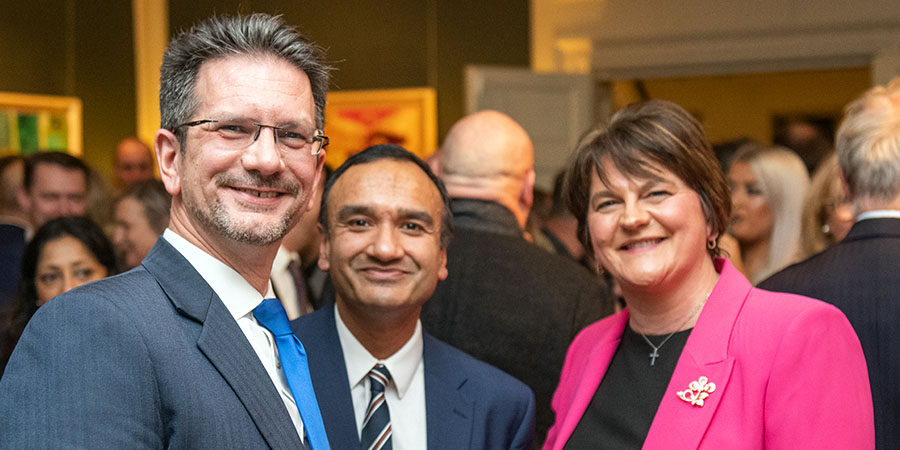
(31, 123)
(358, 119)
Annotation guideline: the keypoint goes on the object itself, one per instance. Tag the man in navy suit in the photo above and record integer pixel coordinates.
(386, 223)
(861, 273)
(170, 354)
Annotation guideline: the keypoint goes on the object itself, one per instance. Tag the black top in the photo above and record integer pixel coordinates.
(620, 414)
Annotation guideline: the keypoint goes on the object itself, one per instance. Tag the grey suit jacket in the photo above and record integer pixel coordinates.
(469, 404)
(147, 359)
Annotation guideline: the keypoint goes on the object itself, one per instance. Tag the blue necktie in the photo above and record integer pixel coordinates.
(376, 432)
(271, 315)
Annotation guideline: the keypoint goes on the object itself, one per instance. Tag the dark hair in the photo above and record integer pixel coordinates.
(656, 132)
(154, 200)
(219, 37)
(395, 152)
(14, 319)
(60, 159)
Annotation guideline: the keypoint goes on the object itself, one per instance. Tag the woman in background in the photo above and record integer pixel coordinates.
(827, 214)
(699, 358)
(768, 186)
(64, 253)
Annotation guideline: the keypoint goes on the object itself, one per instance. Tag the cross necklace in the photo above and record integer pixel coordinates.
(655, 353)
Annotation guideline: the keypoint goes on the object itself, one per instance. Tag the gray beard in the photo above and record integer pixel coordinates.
(217, 218)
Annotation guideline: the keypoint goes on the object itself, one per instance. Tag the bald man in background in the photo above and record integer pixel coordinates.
(505, 301)
(134, 162)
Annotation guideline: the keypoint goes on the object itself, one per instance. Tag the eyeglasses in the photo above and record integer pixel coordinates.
(239, 134)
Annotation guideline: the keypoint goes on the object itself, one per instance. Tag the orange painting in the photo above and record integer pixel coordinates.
(355, 120)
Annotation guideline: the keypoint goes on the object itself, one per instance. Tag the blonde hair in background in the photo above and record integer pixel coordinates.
(868, 145)
(814, 238)
(783, 178)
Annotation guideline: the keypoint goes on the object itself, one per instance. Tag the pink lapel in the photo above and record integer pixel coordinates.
(593, 371)
(678, 423)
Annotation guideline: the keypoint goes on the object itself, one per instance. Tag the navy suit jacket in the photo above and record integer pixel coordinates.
(469, 404)
(147, 359)
(861, 276)
(12, 246)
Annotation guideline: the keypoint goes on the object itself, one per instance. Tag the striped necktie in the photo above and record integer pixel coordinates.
(376, 432)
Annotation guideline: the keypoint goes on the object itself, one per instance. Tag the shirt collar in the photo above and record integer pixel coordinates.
(235, 292)
(402, 365)
(879, 214)
(282, 259)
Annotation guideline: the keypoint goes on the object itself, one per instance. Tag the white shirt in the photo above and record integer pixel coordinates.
(283, 282)
(405, 395)
(240, 298)
(879, 214)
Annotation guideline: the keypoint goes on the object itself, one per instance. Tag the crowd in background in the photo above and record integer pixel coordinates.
(529, 270)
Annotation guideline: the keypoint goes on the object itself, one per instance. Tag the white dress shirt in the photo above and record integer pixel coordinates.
(879, 214)
(240, 298)
(283, 282)
(405, 395)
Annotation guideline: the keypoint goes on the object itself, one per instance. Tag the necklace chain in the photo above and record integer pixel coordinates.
(655, 353)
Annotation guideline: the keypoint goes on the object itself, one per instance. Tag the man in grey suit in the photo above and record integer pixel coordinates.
(171, 353)
(861, 273)
(382, 381)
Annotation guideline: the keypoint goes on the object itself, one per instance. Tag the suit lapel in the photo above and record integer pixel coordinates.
(223, 343)
(449, 412)
(678, 422)
(318, 334)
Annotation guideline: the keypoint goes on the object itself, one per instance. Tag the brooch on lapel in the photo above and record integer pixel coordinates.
(697, 391)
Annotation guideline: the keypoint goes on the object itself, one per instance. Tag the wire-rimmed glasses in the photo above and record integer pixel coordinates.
(239, 134)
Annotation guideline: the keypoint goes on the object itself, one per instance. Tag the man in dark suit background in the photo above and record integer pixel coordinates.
(386, 223)
(861, 274)
(506, 301)
(170, 354)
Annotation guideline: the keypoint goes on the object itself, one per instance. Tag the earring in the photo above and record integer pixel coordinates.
(711, 244)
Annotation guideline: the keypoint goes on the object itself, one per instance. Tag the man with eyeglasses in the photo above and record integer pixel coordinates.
(189, 350)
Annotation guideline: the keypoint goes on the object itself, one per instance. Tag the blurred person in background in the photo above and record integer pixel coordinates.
(860, 274)
(55, 185)
(65, 253)
(141, 216)
(134, 162)
(98, 200)
(699, 358)
(506, 301)
(296, 278)
(768, 185)
(827, 213)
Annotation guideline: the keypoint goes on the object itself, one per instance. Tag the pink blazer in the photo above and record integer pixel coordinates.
(789, 373)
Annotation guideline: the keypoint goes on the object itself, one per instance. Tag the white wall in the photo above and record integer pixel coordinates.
(664, 38)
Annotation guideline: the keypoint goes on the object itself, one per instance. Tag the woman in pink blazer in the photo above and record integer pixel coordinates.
(699, 358)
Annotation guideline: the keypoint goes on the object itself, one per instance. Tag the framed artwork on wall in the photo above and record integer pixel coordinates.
(31, 123)
(355, 120)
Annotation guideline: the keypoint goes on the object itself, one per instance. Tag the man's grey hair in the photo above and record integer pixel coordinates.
(218, 37)
(868, 144)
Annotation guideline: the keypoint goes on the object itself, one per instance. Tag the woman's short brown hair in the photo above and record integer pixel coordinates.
(638, 137)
